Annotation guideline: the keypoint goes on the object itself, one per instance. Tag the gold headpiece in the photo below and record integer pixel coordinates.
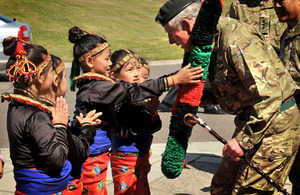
(94, 51)
(146, 66)
(59, 68)
(45, 63)
(23, 67)
(125, 59)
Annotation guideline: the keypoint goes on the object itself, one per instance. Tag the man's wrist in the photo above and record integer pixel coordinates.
(245, 141)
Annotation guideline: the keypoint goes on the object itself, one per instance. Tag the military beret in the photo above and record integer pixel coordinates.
(170, 9)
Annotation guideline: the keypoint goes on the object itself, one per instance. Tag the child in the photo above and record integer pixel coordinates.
(38, 146)
(152, 104)
(145, 70)
(98, 91)
(82, 138)
(130, 154)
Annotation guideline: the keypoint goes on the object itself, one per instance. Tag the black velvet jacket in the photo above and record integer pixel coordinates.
(135, 118)
(34, 142)
(79, 139)
(104, 95)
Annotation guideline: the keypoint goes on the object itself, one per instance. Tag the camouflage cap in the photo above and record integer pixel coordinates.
(170, 9)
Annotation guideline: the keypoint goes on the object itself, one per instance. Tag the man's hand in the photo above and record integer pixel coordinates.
(188, 75)
(233, 149)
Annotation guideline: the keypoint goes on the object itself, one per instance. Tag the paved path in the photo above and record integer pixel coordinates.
(202, 160)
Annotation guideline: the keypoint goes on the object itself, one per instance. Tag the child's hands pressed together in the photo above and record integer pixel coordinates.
(60, 111)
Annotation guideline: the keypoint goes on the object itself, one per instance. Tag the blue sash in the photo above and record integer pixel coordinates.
(138, 145)
(41, 182)
(102, 142)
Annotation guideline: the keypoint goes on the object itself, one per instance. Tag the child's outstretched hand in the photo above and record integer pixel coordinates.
(60, 111)
(188, 75)
(90, 118)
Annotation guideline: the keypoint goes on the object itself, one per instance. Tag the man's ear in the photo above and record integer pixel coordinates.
(188, 25)
(89, 62)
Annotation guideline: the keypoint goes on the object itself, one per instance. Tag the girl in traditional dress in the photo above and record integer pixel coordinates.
(37, 134)
(132, 138)
(80, 136)
(145, 70)
(98, 91)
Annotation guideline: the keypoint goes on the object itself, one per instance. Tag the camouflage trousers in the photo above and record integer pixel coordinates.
(274, 156)
(294, 174)
(295, 171)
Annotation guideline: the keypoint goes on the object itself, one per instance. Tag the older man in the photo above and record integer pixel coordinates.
(250, 82)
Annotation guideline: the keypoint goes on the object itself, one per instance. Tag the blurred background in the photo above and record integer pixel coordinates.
(125, 24)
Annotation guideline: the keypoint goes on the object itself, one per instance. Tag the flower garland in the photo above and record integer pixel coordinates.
(189, 95)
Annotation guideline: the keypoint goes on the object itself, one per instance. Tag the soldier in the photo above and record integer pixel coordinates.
(261, 15)
(250, 82)
(288, 11)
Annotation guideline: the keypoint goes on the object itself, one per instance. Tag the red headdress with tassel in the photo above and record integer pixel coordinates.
(24, 68)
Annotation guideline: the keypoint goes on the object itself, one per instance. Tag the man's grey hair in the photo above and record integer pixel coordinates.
(189, 12)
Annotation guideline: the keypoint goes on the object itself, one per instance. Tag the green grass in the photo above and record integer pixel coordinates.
(125, 23)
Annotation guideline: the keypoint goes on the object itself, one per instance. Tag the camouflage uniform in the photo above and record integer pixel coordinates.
(261, 15)
(250, 82)
(290, 56)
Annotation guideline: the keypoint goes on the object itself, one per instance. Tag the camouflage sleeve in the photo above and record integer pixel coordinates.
(254, 68)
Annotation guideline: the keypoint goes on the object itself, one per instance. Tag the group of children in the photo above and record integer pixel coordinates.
(114, 119)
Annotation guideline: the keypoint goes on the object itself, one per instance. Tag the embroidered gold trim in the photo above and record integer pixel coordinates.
(45, 63)
(58, 69)
(42, 99)
(31, 95)
(146, 66)
(124, 60)
(60, 126)
(92, 76)
(121, 63)
(94, 51)
(12, 97)
(86, 124)
(172, 77)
